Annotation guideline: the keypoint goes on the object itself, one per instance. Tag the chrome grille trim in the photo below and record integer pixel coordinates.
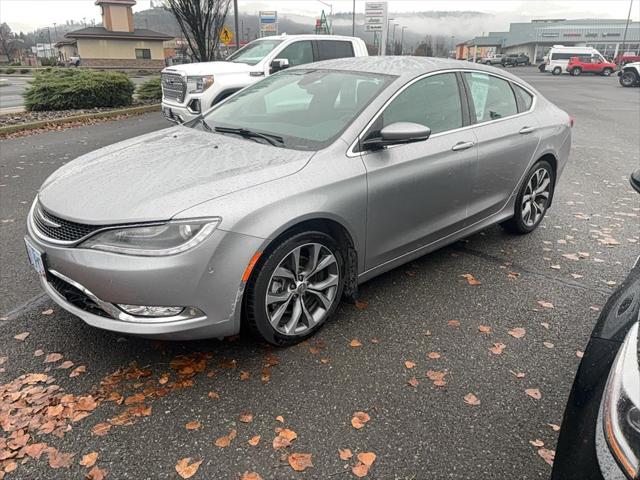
(56, 230)
(174, 87)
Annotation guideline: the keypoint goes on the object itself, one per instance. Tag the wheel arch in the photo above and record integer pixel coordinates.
(553, 161)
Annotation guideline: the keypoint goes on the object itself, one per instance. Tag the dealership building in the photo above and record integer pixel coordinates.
(535, 38)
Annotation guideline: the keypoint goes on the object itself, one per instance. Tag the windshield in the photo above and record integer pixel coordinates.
(253, 52)
(308, 109)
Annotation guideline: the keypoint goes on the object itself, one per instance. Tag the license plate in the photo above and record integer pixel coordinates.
(35, 258)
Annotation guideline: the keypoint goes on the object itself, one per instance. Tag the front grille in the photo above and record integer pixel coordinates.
(76, 297)
(173, 87)
(56, 228)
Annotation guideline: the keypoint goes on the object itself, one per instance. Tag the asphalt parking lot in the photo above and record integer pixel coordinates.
(158, 403)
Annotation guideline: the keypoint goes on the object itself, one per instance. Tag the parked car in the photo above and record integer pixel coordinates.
(559, 56)
(600, 435)
(190, 89)
(627, 57)
(514, 59)
(493, 60)
(592, 64)
(281, 199)
(630, 75)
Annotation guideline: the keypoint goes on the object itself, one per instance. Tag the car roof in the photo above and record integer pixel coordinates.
(307, 36)
(404, 67)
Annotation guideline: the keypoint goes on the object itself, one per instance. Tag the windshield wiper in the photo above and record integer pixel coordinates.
(274, 140)
(205, 125)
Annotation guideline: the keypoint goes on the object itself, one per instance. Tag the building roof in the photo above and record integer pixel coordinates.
(101, 32)
(118, 2)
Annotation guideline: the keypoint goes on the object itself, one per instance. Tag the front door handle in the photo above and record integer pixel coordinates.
(462, 146)
(525, 130)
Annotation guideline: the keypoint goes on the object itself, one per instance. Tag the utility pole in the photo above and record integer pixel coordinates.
(353, 20)
(49, 49)
(235, 19)
(626, 27)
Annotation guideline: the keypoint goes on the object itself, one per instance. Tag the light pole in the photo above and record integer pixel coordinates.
(235, 21)
(393, 42)
(626, 27)
(402, 42)
(353, 20)
(386, 36)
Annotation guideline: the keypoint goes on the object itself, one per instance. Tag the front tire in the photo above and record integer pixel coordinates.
(296, 288)
(533, 199)
(607, 72)
(576, 72)
(628, 79)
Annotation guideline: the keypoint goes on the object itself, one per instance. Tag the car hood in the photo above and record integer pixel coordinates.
(157, 175)
(210, 68)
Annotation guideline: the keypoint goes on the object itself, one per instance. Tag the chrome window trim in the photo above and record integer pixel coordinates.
(351, 153)
(118, 314)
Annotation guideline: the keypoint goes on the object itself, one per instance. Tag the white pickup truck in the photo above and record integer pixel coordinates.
(188, 90)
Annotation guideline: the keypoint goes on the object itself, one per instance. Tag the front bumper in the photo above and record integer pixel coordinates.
(178, 113)
(207, 278)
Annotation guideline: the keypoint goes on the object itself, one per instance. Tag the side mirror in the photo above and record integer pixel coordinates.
(398, 133)
(634, 180)
(279, 64)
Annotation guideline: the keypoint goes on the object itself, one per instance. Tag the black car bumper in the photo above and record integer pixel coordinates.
(582, 452)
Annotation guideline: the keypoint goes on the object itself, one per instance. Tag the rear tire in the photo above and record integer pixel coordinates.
(556, 70)
(533, 199)
(285, 309)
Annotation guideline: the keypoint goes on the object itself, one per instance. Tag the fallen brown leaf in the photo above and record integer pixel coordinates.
(517, 332)
(246, 417)
(409, 364)
(537, 442)
(554, 427)
(517, 374)
(186, 469)
(65, 365)
(52, 357)
(59, 459)
(345, 454)
(89, 460)
(547, 455)
(433, 355)
(34, 450)
(360, 470)
(545, 304)
(497, 348)
(280, 418)
(471, 280)
(214, 395)
(471, 399)
(355, 343)
(284, 438)
(250, 476)
(77, 371)
(101, 429)
(413, 381)
(484, 329)
(195, 425)
(533, 393)
(244, 375)
(548, 344)
(253, 441)
(48, 311)
(21, 337)
(300, 461)
(453, 323)
(361, 304)
(38, 353)
(96, 474)
(579, 353)
(225, 441)
(359, 419)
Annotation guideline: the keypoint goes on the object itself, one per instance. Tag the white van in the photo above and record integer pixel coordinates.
(559, 56)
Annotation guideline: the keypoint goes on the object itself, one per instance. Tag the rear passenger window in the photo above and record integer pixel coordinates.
(328, 49)
(298, 53)
(525, 99)
(433, 101)
(492, 97)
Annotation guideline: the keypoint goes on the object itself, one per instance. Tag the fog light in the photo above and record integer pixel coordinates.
(149, 311)
(194, 106)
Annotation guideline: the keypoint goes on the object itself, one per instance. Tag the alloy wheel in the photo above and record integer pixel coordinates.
(536, 197)
(302, 289)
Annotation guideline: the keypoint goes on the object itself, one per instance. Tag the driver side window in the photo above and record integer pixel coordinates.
(298, 53)
(433, 101)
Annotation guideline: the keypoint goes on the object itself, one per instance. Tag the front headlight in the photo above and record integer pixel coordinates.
(153, 240)
(199, 84)
(621, 407)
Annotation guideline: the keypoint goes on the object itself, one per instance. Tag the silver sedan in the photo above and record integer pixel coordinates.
(278, 202)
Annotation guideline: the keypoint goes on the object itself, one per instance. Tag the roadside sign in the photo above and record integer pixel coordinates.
(375, 20)
(268, 22)
(374, 28)
(226, 35)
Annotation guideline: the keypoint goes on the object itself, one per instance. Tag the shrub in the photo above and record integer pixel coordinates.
(1, 70)
(67, 89)
(24, 70)
(150, 90)
(10, 70)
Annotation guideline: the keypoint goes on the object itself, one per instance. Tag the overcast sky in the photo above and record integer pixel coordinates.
(29, 14)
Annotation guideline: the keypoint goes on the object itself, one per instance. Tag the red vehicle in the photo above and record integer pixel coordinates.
(590, 64)
(627, 57)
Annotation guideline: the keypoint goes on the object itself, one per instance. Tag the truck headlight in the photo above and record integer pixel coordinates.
(153, 240)
(199, 84)
(621, 406)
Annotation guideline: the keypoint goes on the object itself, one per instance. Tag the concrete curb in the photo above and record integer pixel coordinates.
(87, 116)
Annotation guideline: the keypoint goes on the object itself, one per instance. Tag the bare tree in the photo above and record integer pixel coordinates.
(200, 22)
(8, 42)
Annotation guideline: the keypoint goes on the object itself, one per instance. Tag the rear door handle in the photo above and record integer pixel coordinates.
(462, 146)
(525, 130)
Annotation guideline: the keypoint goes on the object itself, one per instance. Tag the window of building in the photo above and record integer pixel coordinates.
(143, 54)
(328, 49)
(433, 102)
(492, 97)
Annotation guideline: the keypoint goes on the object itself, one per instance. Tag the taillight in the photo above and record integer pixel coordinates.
(571, 121)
